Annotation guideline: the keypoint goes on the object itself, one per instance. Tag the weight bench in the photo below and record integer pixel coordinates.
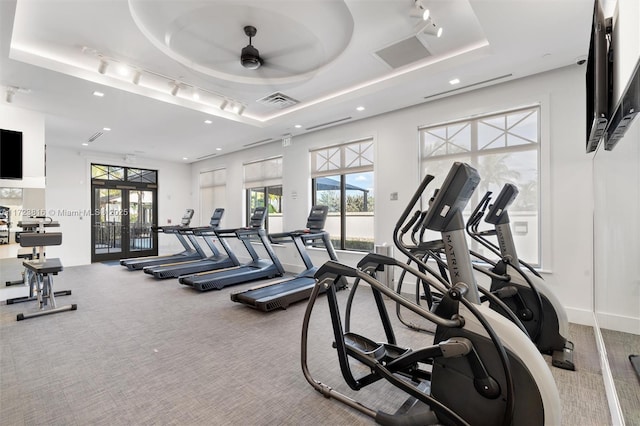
(39, 274)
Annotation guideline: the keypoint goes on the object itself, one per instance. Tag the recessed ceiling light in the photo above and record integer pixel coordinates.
(85, 144)
(454, 81)
(98, 94)
(106, 129)
(297, 126)
(184, 158)
(360, 108)
(218, 149)
(208, 121)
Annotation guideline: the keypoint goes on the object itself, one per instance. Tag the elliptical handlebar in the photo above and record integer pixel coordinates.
(332, 269)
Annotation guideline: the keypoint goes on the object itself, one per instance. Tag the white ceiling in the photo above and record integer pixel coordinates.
(322, 53)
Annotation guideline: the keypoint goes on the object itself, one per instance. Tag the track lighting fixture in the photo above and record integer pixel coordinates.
(153, 80)
(419, 10)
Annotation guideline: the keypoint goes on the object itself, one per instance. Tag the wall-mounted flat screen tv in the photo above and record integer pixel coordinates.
(10, 154)
(597, 80)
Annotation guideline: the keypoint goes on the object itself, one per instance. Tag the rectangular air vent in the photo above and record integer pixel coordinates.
(95, 136)
(258, 142)
(403, 53)
(278, 100)
(204, 157)
(328, 123)
(491, 80)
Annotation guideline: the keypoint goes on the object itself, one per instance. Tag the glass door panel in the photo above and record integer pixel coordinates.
(122, 223)
(140, 220)
(107, 222)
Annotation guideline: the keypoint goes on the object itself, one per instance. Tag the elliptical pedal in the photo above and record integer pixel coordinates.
(564, 358)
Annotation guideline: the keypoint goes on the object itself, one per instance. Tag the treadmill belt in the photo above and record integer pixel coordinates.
(276, 296)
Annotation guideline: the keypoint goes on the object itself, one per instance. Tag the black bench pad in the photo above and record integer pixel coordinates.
(49, 266)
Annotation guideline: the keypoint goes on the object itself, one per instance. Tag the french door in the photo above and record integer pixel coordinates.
(122, 217)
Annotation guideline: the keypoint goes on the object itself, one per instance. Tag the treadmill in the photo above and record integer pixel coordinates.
(256, 269)
(280, 295)
(191, 251)
(210, 263)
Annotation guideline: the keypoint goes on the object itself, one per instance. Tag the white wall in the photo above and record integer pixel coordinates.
(31, 124)
(69, 189)
(566, 172)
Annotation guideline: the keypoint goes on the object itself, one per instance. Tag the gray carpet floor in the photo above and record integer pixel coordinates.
(144, 352)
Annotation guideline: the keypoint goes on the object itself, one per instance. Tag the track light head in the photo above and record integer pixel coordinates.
(419, 10)
(136, 77)
(224, 104)
(102, 68)
(175, 88)
(431, 28)
(10, 92)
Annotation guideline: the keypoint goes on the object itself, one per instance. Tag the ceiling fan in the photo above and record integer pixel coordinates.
(250, 57)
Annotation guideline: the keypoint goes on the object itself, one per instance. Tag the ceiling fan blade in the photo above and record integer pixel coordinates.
(289, 50)
(275, 66)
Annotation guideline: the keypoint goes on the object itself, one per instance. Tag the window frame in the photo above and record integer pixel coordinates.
(476, 152)
(352, 158)
(261, 176)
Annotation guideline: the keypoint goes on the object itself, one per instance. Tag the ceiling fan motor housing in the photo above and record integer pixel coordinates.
(250, 58)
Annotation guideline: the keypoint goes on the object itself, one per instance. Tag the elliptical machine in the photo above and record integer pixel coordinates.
(528, 296)
(481, 369)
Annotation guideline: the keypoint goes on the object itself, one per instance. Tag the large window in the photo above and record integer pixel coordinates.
(263, 186)
(213, 193)
(342, 179)
(504, 148)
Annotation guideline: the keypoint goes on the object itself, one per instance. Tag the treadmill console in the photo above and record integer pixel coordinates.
(497, 213)
(186, 218)
(445, 213)
(317, 218)
(258, 217)
(216, 217)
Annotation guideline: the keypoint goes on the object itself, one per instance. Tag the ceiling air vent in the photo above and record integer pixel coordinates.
(491, 80)
(258, 142)
(204, 157)
(403, 53)
(278, 100)
(329, 123)
(95, 136)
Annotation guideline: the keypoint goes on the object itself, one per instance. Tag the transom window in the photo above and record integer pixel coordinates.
(126, 174)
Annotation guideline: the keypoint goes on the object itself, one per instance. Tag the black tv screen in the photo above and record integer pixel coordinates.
(597, 80)
(10, 154)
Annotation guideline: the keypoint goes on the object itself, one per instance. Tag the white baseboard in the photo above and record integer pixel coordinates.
(618, 322)
(580, 316)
